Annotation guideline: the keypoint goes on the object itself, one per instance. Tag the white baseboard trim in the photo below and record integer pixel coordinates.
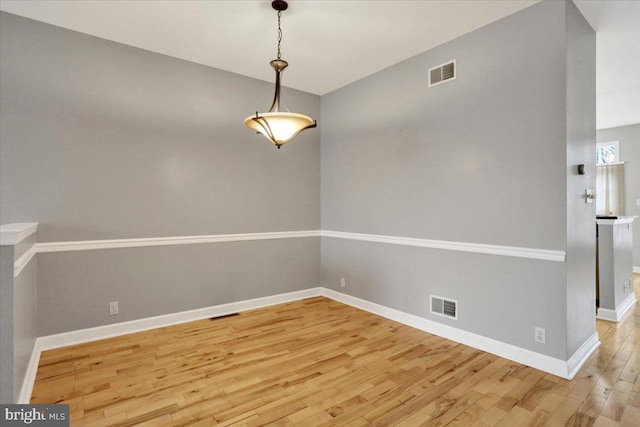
(617, 314)
(606, 314)
(564, 369)
(582, 354)
(30, 376)
(552, 365)
(636, 269)
(108, 331)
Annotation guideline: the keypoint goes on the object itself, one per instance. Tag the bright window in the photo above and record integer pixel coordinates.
(607, 152)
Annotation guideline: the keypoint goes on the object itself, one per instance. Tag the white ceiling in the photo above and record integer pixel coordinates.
(331, 43)
(617, 25)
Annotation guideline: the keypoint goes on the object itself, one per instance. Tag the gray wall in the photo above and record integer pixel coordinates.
(481, 159)
(104, 141)
(615, 246)
(6, 324)
(166, 279)
(629, 137)
(498, 297)
(462, 161)
(581, 144)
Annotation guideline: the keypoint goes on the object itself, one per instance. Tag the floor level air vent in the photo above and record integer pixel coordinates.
(224, 316)
(444, 307)
(442, 73)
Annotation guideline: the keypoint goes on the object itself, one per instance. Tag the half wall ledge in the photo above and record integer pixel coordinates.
(12, 234)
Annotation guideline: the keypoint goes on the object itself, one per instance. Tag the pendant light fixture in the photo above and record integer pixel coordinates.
(278, 124)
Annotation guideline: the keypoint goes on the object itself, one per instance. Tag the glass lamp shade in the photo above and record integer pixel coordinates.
(279, 127)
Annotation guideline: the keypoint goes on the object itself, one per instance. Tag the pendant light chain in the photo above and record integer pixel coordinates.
(279, 33)
(278, 124)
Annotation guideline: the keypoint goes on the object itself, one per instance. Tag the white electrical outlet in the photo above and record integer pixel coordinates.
(113, 308)
(343, 282)
(637, 202)
(541, 335)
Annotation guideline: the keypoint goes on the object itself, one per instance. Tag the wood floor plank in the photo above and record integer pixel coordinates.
(318, 362)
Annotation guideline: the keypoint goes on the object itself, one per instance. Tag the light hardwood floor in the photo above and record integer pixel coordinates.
(319, 362)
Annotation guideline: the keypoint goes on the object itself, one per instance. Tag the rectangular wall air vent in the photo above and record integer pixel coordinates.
(442, 73)
(443, 307)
